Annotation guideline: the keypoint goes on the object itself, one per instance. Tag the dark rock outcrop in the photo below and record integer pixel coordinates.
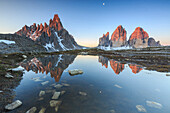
(104, 40)
(153, 43)
(103, 61)
(118, 37)
(21, 45)
(139, 38)
(53, 36)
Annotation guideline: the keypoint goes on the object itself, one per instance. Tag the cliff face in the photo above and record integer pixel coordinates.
(139, 38)
(104, 40)
(116, 66)
(118, 37)
(53, 36)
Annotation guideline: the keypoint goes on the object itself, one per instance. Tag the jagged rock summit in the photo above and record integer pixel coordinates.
(104, 40)
(118, 37)
(53, 36)
(138, 39)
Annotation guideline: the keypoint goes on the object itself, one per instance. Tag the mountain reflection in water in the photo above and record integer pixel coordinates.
(55, 64)
(117, 66)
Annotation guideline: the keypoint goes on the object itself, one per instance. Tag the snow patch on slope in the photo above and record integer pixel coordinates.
(60, 43)
(50, 46)
(7, 41)
(114, 48)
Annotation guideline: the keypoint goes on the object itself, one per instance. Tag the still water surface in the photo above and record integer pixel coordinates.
(111, 87)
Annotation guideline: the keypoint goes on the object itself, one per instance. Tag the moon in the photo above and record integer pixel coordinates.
(103, 4)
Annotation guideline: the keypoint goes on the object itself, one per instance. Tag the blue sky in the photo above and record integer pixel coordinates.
(87, 20)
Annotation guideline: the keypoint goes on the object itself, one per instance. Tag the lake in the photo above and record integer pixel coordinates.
(106, 86)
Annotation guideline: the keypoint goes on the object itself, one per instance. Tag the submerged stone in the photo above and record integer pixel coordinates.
(37, 79)
(8, 76)
(75, 72)
(154, 104)
(13, 105)
(41, 99)
(56, 95)
(63, 92)
(58, 86)
(66, 85)
(44, 83)
(54, 103)
(140, 108)
(56, 108)
(112, 111)
(117, 86)
(42, 110)
(41, 93)
(82, 93)
(32, 110)
(1, 91)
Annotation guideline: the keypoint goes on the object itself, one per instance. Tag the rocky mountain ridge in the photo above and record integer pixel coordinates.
(138, 39)
(53, 36)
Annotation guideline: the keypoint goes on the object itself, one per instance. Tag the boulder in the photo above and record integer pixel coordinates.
(75, 72)
(13, 105)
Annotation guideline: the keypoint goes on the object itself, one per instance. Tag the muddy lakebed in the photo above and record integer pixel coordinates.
(104, 86)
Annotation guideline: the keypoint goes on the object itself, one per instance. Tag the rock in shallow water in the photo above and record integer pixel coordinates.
(32, 110)
(41, 93)
(1, 91)
(154, 104)
(83, 93)
(75, 72)
(112, 111)
(54, 103)
(168, 74)
(44, 83)
(58, 86)
(56, 95)
(140, 108)
(42, 110)
(13, 105)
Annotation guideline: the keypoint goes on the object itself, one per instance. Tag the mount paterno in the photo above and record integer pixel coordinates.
(54, 37)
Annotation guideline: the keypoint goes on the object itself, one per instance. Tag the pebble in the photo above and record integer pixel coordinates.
(42, 110)
(41, 93)
(83, 93)
(54, 103)
(32, 110)
(112, 111)
(8, 76)
(24, 56)
(154, 104)
(13, 105)
(44, 83)
(117, 86)
(140, 108)
(56, 95)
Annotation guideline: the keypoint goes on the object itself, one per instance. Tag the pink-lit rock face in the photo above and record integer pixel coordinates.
(104, 40)
(118, 37)
(53, 35)
(139, 38)
(116, 66)
(135, 68)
